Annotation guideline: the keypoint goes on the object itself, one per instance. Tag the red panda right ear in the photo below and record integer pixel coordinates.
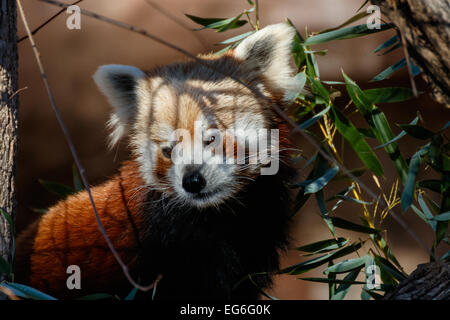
(267, 52)
(120, 85)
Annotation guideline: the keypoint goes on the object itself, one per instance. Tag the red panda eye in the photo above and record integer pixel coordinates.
(210, 140)
(167, 152)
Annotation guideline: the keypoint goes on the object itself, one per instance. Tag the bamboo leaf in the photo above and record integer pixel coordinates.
(388, 95)
(323, 246)
(347, 22)
(416, 131)
(442, 217)
(24, 291)
(391, 41)
(408, 190)
(385, 74)
(237, 38)
(389, 268)
(398, 137)
(356, 141)
(322, 181)
(77, 185)
(379, 125)
(56, 188)
(327, 280)
(346, 265)
(343, 288)
(305, 266)
(344, 224)
(314, 119)
(346, 33)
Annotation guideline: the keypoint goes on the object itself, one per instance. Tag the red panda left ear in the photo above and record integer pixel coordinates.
(120, 85)
(267, 53)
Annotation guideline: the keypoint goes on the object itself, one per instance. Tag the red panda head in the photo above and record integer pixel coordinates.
(198, 135)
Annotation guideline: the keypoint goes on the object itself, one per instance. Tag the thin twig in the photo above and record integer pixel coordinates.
(177, 21)
(257, 14)
(47, 22)
(17, 92)
(282, 114)
(406, 54)
(75, 155)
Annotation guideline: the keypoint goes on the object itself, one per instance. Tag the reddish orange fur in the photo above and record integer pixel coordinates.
(68, 234)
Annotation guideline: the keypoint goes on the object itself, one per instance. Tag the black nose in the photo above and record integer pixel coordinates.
(193, 182)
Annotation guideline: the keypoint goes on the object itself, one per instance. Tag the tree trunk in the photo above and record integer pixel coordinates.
(425, 25)
(8, 121)
(430, 281)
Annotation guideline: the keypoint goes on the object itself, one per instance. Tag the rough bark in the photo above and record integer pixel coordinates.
(8, 121)
(425, 25)
(430, 281)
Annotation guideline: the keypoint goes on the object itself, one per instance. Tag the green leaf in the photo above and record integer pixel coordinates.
(366, 132)
(388, 95)
(132, 294)
(346, 266)
(77, 184)
(408, 190)
(378, 123)
(442, 217)
(356, 141)
(322, 181)
(343, 288)
(391, 41)
(398, 137)
(416, 131)
(374, 295)
(432, 184)
(346, 33)
(344, 224)
(327, 280)
(39, 210)
(426, 211)
(385, 74)
(323, 246)
(5, 267)
(223, 50)
(7, 216)
(390, 268)
(204, 21)
(314, 119)
(347, 22)
(351, 199)
(237, 38)
(220, 24)
(24, 291)
(305, 266)
(318, 88)
(324, 211)
(362, 6)
(56, 188)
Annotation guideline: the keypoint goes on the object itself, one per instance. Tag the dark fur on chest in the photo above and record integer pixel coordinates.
(204, 254)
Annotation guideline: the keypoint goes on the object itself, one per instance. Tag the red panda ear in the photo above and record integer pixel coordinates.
(120, 85)
(267, 53)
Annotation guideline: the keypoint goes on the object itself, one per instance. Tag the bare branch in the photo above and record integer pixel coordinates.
(177, 21)
(47, 22)
(75, 155)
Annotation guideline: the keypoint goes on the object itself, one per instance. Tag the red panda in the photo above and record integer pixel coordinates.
(202, 225)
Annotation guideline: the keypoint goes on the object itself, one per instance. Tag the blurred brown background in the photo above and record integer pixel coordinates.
(72, 56)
